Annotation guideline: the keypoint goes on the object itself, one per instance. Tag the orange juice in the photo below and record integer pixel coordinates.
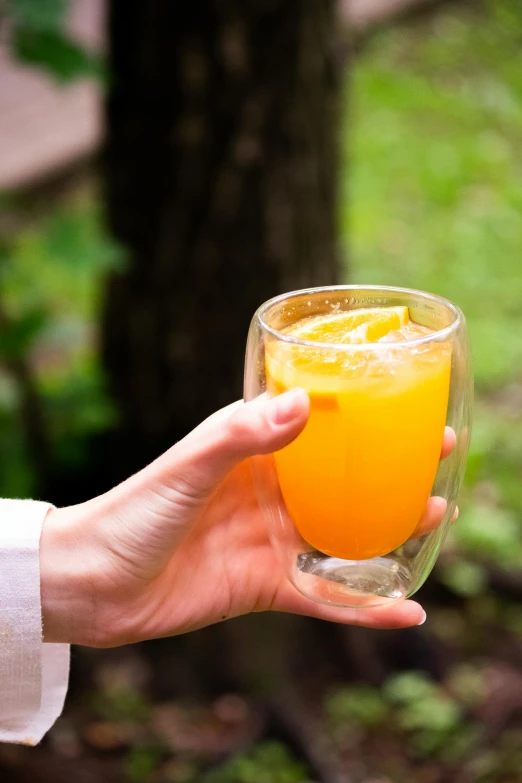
(356, 480)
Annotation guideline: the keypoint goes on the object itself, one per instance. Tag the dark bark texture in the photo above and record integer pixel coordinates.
(221, 167)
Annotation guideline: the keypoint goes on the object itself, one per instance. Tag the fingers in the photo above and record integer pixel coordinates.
(198, 463)
(433, 516)
(448, 443)
(396, 614)
(436, 506)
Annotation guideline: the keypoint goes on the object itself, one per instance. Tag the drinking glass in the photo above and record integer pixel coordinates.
(359, 505)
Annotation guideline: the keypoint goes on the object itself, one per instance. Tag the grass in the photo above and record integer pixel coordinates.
(432, 199)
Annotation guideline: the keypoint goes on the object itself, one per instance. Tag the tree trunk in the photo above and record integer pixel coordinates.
(221, 171)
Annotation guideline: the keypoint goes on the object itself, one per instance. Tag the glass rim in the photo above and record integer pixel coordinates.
(436, 336)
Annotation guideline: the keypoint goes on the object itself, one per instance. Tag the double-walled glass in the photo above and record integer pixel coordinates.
(358, 506)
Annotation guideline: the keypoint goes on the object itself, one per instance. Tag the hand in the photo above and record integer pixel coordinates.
(436, 506)
(182, 544)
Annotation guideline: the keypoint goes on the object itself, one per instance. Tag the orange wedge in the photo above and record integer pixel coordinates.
(366, 325)
(324, 370)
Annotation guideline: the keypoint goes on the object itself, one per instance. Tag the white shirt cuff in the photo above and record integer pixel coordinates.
(33, 675)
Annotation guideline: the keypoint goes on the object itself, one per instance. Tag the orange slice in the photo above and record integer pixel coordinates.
(323, 371)
(366, 325)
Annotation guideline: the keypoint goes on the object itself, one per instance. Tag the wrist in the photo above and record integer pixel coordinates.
(67, 602)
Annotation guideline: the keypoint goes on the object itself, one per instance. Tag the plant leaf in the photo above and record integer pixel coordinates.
(59, 55)
(38, 14)
(19, 337)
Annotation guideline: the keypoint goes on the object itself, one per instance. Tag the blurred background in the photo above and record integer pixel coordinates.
(163, 170)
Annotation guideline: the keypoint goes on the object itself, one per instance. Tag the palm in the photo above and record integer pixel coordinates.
(225, 567)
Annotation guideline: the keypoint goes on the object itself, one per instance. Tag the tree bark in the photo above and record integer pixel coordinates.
(221, 167)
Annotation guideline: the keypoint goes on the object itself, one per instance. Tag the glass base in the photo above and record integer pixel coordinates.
(361, 582)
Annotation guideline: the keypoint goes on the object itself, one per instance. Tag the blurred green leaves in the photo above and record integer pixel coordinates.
(409, 688)
(58, 262)
(142, 761)
(59, 55)
(39, 39)
(121, 703)
(464, 577)
(51, 278)
(424, 710)
(34, 15)
(18, 337)
(356, 705)
(431, 717)
(490, 532)
(434, 178)
(268, 762)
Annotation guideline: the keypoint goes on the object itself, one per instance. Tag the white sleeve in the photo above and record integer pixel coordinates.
(33, 675)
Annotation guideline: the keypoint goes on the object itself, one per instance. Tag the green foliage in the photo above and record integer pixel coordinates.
(436, 715)
(435, 191)
(490, 532)
(77, 406)
(50, 289)
(17, 478)
(58, 263)
(466, 683)
(408, 688)
(34, 15)
(142, 761)
(464, 577)
(39, 39)
(121, 704)
(268, 762)
(19, 337)
(58, 54)
(512, 618)
(357, 704)
(431, 717)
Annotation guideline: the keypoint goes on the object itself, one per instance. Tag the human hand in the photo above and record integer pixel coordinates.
(436, 506)
(182, 544)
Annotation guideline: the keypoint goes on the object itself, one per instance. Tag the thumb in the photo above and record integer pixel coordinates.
(146, 517)
(198, 463)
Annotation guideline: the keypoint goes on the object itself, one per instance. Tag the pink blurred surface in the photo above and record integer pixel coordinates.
(43, 126)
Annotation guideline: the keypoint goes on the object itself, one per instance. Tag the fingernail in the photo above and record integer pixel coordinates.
(283, 408)
(423, 618)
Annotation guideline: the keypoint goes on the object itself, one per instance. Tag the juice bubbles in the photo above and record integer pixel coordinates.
(357, 479)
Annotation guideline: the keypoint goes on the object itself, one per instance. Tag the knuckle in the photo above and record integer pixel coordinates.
(241, 428)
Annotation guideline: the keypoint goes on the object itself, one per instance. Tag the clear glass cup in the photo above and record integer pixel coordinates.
(358, 506)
